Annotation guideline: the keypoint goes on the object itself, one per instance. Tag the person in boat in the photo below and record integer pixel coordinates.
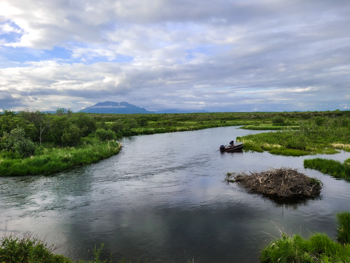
(232, 143)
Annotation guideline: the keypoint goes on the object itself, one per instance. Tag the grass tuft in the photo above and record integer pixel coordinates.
(318, 248)
(343, 228)
(332, 167)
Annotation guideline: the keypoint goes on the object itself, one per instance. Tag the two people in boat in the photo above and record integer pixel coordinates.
(232, 143)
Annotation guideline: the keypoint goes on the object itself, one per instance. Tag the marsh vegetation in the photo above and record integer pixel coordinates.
(317, 248)
(44, 143)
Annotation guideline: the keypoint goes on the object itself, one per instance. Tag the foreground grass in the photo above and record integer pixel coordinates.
(332, 167)
(318, 248)
(32, 250)
(52, 160)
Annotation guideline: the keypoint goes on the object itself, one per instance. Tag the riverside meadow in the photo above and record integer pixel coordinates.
(36, 143)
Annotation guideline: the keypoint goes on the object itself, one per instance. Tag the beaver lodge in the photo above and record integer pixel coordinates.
(283, 182)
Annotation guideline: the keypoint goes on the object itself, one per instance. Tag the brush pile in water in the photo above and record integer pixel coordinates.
(284, 182)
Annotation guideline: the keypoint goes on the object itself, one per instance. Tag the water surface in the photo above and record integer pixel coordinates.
(163, 198)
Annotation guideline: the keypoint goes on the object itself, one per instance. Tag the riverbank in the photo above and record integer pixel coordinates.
(52, 160)
(326, 166)
(317, 248)
(315, 136)
(29, 249)
(26, 133)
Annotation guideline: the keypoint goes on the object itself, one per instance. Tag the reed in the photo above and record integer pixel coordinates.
(343, 219)
(31, 249)
(332, 167)
(317, 248)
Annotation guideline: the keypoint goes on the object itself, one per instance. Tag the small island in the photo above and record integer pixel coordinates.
(282, 183)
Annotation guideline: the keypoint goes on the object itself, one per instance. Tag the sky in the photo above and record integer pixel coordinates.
(222, 55)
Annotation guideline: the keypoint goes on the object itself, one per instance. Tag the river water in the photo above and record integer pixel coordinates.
(162, 198)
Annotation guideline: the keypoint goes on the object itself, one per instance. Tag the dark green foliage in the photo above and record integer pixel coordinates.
(104, 135)
(130, 123)
(332, 167)
(117, 127)
(50, 161)
(343, 228)
(56, 128)
(16, 142)
(278, 120)
(320, 120)
(28, 249)
(71, 135)
(85, 122)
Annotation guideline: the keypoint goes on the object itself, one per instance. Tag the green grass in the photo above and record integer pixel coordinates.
(332, 167)
(289, 152)
(52, 160)
(33, 250)
(317, 248)
(296, 143)
(263, 127)
(343, 228)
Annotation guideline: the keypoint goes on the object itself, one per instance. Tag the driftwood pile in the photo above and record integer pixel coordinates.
(283, 182)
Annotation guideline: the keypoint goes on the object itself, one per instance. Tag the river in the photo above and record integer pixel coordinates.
(162, 198)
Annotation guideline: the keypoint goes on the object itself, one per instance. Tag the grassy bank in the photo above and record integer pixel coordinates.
(315, 136)
(317, 248)
(40, 143)
(32, 250)
(49, 160)
(332, 167)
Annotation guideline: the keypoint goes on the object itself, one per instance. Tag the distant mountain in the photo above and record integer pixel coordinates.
(180, 111)
(115, 107)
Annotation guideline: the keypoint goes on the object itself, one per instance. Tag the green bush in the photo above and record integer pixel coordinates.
(28, 249)
(17, 142)
(343, 228)
(105, 135)
(71, 135)
(278, 120)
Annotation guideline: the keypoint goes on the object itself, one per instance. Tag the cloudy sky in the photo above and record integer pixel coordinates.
(222, 55)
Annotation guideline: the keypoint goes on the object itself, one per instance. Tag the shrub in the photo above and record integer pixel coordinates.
(28, 249)
(71, 135)
(278, 120)
(15, 141)
(104, 135)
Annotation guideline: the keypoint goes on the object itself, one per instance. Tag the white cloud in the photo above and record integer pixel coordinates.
(174, 53)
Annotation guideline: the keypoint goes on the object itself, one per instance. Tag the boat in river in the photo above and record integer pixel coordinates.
(231, 148)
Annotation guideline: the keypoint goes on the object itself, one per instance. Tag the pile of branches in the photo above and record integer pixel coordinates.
(283, 182)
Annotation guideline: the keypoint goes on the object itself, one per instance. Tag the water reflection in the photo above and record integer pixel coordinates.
(162, 198)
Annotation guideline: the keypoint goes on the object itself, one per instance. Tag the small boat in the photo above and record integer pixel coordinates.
(231, 148)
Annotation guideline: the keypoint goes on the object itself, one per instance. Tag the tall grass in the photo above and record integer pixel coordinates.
(55, 160)
(310, 139)
(33, 250)
(318, 248)
(343, 228)
(332, 167)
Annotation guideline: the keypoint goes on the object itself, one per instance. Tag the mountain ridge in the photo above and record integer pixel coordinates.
(115, 107)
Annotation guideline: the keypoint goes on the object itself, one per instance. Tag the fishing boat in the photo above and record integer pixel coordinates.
(231, 148)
